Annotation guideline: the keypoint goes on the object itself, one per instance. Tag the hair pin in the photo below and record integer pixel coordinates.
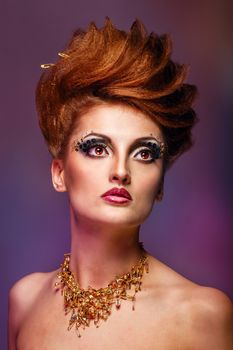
(46, 65)
(62, 54)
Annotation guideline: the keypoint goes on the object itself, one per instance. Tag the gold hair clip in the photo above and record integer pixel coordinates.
(63, 55)
(48, 65)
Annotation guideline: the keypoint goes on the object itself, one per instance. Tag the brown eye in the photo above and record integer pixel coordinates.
(94, 148)
(98, 150)
(145, 154)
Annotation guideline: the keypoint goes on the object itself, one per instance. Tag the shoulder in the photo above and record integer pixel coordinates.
(211, 305)
(203, 315)
(25, 290)
(179, 288)
(22, 295)
(213, 298)
(209, 316)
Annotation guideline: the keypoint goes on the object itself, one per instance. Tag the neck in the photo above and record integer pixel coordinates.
(100, 251)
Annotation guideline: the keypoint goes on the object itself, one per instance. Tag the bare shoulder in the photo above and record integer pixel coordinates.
(213, 300)
(209, 318)
(22, 296)
(24, 291)
(204, 315)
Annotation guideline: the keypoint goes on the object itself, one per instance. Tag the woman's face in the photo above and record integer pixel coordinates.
(115, 157)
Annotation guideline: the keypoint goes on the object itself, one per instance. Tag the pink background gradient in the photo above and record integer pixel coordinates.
(191, 230)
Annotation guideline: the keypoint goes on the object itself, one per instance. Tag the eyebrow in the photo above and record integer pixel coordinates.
(144, 138)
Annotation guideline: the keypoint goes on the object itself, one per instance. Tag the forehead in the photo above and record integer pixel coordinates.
(117, 121)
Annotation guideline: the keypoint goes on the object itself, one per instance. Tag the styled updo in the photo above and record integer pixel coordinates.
(111, 65)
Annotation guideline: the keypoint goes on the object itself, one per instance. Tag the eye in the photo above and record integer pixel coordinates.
(150, 153)
(97, 150)
(93, 148)
(145, 154)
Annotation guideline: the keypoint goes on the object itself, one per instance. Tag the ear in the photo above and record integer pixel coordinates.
(57, 172)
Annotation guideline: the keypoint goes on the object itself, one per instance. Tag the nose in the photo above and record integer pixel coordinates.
(120, 174)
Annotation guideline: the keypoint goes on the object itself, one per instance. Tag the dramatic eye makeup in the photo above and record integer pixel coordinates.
(145, 149)
(92, 144)
(151, 149)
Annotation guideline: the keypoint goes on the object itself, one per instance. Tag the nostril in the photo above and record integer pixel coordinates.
(126, 178)
(121, 179)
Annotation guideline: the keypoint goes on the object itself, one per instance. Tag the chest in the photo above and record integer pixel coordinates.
(150, 326)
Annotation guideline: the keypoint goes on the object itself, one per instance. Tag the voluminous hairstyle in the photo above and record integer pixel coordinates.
(111, 65)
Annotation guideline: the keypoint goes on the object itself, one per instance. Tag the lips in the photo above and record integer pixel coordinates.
(118, 192)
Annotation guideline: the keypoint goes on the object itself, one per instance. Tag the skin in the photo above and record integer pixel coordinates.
(171, 311)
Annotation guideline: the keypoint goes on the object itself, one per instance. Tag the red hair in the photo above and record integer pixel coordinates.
(112, 65)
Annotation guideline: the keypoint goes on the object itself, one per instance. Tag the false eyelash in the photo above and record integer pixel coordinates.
(86, 145)
(154, 148)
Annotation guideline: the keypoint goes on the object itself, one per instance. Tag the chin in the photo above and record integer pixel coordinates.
(120, 219)
(114, 214)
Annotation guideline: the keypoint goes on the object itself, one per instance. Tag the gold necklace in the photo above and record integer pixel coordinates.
(96, 304)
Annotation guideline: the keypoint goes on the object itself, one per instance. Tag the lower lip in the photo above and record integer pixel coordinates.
(116, 199)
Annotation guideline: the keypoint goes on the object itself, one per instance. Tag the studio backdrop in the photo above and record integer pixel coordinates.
(191, 229)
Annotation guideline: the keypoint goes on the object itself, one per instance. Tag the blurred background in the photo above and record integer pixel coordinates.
(191, 229)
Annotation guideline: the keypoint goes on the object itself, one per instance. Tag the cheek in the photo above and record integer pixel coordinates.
(83, 178)
(148, 182)
(146, 188)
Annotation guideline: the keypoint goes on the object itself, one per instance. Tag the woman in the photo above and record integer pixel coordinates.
(115, 113)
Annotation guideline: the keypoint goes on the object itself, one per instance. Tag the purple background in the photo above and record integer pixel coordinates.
(191, 230)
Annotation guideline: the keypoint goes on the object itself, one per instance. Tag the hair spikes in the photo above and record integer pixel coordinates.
(109, 64)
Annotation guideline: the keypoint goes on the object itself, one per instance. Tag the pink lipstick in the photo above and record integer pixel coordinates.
(117, 195)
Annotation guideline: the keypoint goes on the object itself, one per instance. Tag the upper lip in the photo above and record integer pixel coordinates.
(120, 192)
